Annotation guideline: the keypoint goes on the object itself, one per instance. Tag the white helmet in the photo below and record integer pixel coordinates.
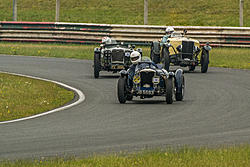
(169, 30)
(106, 40)
(135, 57)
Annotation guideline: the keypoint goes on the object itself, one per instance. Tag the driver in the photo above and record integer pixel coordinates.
(135, 58)
(106, 40)
(169, 33)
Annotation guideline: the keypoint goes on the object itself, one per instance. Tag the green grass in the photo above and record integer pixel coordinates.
(48, 50)
(161, 12)
(219, 57)
(230, 58)
(186, 157)
(22, 97)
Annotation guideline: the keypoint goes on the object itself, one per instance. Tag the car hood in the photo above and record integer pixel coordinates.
(180, 39)
(118, 48)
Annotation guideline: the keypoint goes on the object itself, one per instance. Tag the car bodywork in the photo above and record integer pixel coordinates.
(181, 51)
(112, 57)
(149, 81)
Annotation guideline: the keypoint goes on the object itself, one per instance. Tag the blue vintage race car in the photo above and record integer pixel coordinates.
(149, 81)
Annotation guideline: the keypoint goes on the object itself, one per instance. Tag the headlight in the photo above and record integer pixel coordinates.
(127, 54)
(179, 48)
(107, 52)
(156, 80)
(137, 79)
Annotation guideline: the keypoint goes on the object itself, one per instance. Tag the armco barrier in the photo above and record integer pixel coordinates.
(138, 34)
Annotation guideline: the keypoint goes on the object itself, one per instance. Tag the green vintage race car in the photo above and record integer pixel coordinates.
(181, 51)
(112, 56)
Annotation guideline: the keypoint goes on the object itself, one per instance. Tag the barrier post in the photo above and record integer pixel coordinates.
(57, 10)
(241, 12)
(145, 12)
(14, 10)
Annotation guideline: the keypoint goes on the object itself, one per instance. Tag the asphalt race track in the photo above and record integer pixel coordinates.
(215, 111)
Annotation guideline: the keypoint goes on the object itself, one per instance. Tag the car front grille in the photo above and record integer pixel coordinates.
(187, 49)
(146, 78)
(117, 55)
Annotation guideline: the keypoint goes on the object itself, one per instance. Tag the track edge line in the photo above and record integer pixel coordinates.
(79, 92)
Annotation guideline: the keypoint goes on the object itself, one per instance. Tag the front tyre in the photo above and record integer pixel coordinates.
(121, 90)
(97, 65)
(180, 87)
(169, 90)
(204, 61)
(166, 58)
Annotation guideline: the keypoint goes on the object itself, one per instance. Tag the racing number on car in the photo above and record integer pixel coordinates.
(146, 92)
(136, 79)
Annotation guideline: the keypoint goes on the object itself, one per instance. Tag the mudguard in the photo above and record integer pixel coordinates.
(123, 73)
(167, 45)
(97, 50)
(168, 74)
(139, 50)
(207, 47)
(156, 48)
(178, 78)
(171, 74)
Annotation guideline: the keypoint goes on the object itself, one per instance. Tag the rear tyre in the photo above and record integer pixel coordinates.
(169, 91)
(121, 90)
(166, 58)
(154, 57)
(97, 65)
(204, 61)
(155, 52)
(179, 94)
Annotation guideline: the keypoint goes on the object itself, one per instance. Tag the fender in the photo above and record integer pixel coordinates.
(155, 47)
(97, 50)
(207, 47)
(170, 75)
(123, 73)
(178, 78)
(139, 50)
(167, 45)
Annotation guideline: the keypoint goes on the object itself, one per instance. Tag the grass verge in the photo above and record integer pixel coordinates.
(22, 97)
(230, 58)
(48, 50)
(222, 157)
(161, 12)
(219, 57)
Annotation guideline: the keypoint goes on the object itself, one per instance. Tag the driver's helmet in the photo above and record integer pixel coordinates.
(106, 40)
(135, 57)
(169, 30)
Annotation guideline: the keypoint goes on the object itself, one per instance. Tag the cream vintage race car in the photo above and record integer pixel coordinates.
(181, 51)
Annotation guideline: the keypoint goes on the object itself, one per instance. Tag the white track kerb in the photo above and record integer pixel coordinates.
(80, 99)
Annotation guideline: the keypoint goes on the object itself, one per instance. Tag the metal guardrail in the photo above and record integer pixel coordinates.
(138, 34)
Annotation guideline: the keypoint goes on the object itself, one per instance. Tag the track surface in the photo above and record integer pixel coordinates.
(215, 111)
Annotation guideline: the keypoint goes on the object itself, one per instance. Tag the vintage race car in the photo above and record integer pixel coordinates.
(182, 51)
(112, 57)
(149, 81)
